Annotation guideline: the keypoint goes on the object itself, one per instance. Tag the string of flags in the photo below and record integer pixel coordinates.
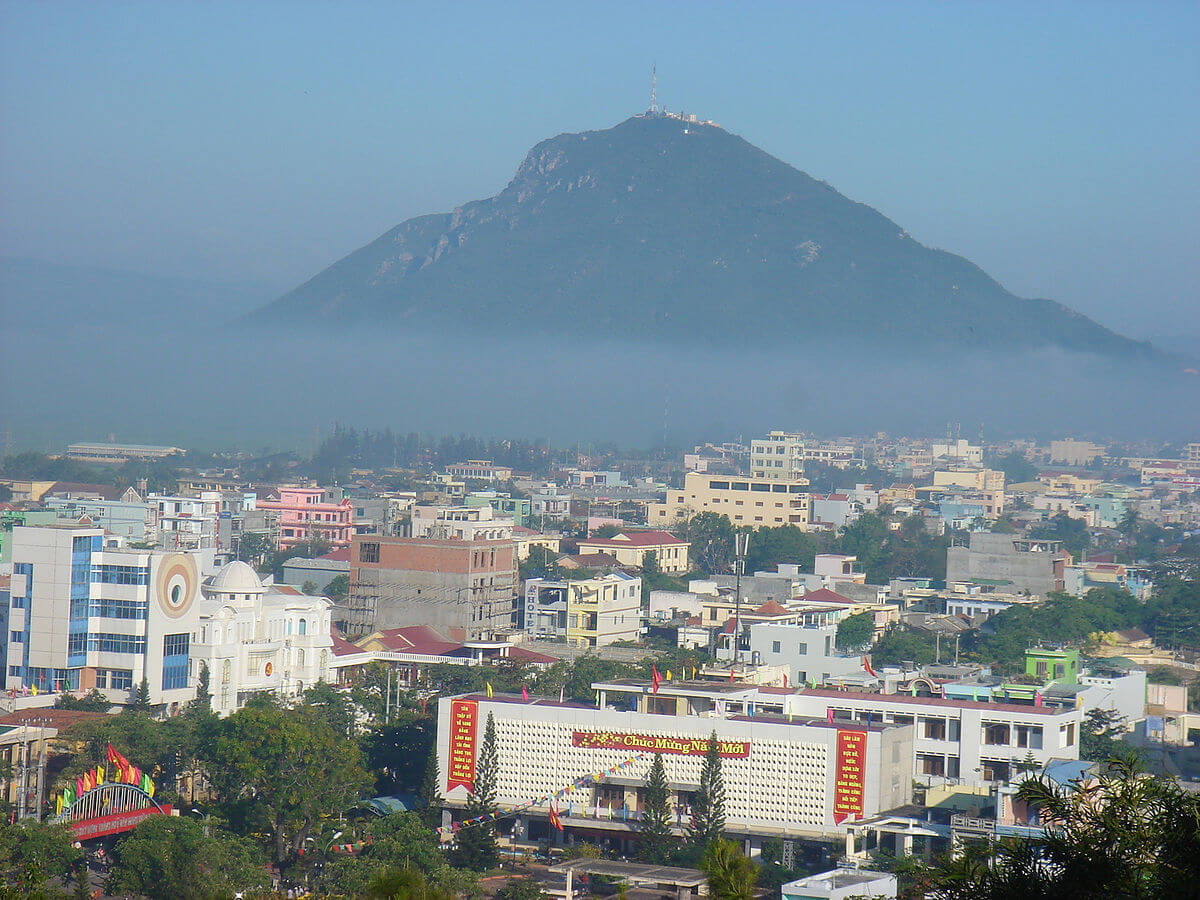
(552, 799)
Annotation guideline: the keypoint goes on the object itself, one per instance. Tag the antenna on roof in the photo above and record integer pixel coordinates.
(654, 89)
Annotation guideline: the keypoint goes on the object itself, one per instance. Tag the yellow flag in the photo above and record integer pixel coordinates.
(668, 674)
(489, 688)
(99, 774)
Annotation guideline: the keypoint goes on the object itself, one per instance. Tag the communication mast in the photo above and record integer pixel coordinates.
(654, 90)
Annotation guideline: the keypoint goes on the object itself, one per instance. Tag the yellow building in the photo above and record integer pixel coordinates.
(970, 479)
(746, 501)
(630, 549)
(1068, 483)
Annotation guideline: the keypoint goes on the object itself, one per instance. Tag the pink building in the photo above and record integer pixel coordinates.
(304, 513)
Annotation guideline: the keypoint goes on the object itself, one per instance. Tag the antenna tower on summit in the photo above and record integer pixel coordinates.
(654, 89)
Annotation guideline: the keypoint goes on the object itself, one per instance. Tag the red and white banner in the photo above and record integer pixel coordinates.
(85, 829)
(648, 743)
(850, 775)
(464, 721)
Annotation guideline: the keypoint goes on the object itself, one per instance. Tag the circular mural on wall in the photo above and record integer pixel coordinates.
(176, 584)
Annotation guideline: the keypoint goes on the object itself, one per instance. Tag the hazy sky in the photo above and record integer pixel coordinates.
(1057, 145)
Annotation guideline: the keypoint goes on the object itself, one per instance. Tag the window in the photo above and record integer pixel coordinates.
(803, 648)
(16, 637)
(1029, 736)
(14, 670)
(774, 646)
(105, 574)
(368, 553)
(996, 735)
(120, 679)
(304, 626)
(18, 602)
(935, 729)
(175, 661)
(76, 643)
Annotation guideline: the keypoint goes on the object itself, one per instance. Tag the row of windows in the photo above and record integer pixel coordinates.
(117, 679)
(106, 574)
(115, 643)
(118, 609)
(762, 487)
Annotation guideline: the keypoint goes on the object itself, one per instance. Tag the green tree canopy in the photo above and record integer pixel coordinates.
(855, 631)
(278, 771)
(1125, 834)
(32, 852)
(176, 858)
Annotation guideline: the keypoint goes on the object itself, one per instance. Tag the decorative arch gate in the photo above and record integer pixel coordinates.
(109, 809)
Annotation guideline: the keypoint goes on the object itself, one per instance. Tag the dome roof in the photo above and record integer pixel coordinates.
(236, 578)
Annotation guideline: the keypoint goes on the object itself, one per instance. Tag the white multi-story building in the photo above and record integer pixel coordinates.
(255, 638)
(809, 652)
(798, 777)
(588, 612)
(86, 616)
(461, 523)
(957, 739)
(187, 523)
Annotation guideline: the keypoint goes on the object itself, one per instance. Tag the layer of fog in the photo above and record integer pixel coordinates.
(220, 388)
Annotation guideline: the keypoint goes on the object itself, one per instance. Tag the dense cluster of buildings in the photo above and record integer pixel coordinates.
(123, 589)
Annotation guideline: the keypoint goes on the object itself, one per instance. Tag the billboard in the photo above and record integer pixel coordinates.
(849, 777)
(464, 722)
(648, 743)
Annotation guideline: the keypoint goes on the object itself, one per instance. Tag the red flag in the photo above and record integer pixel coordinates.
(524, 693)
(829, 713)
(785, 679)
(731, 674)
(555, 821)
(654, 676)
(866, 661)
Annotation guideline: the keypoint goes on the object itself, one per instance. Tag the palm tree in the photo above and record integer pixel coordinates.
(730, 875)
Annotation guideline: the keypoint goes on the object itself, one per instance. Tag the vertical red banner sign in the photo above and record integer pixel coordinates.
(460, 770)
(850, 775)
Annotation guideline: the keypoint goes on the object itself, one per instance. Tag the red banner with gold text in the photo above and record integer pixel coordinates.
(850, 777)
(464, 718)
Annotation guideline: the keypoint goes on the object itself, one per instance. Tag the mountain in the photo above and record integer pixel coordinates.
(665, 228)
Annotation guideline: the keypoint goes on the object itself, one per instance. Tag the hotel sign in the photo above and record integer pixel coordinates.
(849, 778)
(648, 743)
(464, 720)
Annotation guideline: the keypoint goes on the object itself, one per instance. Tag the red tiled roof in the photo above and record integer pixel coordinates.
(824, 595)
(342, 554)
(288, 589)
(342, 647)
(50, 717)
(531, 656)
(636, 539)
(771, 608)
(417, 639)
(838, 497)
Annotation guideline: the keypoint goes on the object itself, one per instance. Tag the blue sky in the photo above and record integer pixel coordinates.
(1054, 144)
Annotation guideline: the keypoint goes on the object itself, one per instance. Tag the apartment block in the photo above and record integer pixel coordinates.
(746, 501)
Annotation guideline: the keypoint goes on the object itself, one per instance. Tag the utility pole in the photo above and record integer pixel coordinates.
(741, 543)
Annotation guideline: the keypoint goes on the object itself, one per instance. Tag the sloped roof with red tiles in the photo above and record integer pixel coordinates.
(417, 639)
(771, 608)
(521, 654)
(342, 554)
(824, 595)
(342, 647)
(635, 539)
(50, 717)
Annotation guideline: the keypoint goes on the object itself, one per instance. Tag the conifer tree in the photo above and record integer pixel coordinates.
(139, 700)
(430, 796)
(708, 805)
(655, 825)
(203, 701)
(477, 843)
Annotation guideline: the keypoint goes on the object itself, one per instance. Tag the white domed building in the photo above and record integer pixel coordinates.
(255, 637)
